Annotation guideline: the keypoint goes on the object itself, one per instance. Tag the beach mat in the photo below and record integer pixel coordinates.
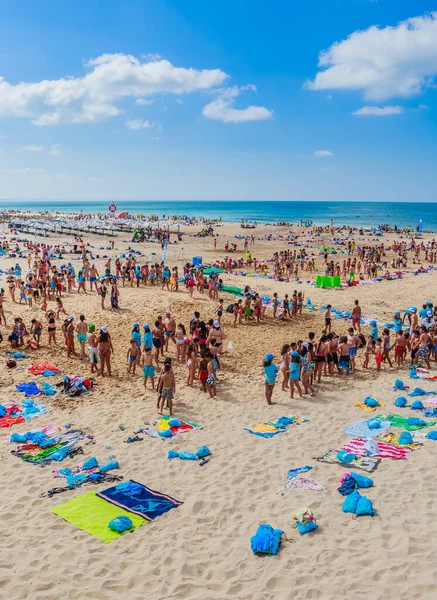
(92, 514)
(364, 463)
(400, 421)
(139, 499)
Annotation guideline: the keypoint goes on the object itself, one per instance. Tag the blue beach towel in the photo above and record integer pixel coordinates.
(365, 429)
(139, 499)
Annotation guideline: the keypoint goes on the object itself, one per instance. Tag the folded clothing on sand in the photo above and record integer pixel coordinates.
(38, 369)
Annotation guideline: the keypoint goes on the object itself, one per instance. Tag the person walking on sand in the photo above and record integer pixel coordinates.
(356, 316)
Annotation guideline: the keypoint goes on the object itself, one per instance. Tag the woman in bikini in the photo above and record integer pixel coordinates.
(285, 365)
(191, 364)
(105, 350)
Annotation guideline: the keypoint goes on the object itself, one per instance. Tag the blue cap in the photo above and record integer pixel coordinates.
(295, 353)
(146, 326)
(136, 325)
(269, 356)
(372, 323)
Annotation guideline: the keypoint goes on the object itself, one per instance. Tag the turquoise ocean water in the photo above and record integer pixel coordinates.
(353, 213)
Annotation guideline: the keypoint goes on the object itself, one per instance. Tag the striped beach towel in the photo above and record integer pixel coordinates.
(356, 446)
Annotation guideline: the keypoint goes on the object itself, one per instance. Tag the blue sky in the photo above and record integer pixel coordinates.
(218, 100)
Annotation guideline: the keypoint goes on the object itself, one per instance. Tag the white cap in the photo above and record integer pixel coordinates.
(70, 318)
(216, 324)
(104, 329)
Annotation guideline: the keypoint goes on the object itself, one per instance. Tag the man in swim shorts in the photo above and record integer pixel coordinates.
(81, 330)
(356, 317)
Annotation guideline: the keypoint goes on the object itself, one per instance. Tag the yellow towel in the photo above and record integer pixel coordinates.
(392, 438)
(264, 428)
(371, 408)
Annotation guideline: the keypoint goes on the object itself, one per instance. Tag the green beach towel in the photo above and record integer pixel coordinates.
(400, 421)
(92, 514)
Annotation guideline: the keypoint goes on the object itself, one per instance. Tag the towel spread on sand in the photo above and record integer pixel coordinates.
(57, 448)
(356, 446)
(271, 428)
(304, 483)
(92, 514)
(362, 429)
(364, 463)
(369, 408)
(292, 473)
(20, 414)
(139, 499)
(393, 438)
(400, 421)
(164, 424)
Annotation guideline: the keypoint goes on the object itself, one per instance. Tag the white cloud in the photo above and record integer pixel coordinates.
(378, 111)
(323, 153)
(383, 63)
(143, 101)
(179, 101)
(222, 108)
(139, 124)
(32, 148)
(55, 150)
(92, 98)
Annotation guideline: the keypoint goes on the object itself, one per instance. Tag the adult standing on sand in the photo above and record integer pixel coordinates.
(356, 317)
(170, 328)
(105, 350)
(93, 352)
(81, 330)
(114, 294)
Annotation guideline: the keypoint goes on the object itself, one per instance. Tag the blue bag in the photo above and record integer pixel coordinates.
(120, 524)
(91, 463)
(405, 438)
(401, 402)
(432, 435)
(203, 451)
(166, 433)
(372, 402)
(346, 457)
(417, 405)
(373, 423)
(109, 466)
(362, 481)
(306, 527)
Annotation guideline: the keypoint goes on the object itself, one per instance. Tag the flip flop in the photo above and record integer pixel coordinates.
(203, 462)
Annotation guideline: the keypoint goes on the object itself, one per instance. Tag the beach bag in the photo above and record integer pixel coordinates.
(120, 524)
(372, 402)
(11, 364)
(361, 480)
(405, 438)
(230, 309)
(401, 402)
(417, 405)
